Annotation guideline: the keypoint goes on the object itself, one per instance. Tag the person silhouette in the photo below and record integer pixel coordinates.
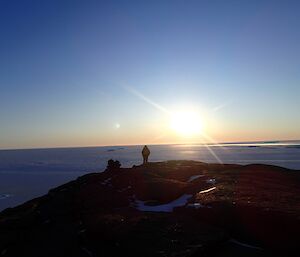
(145, 153)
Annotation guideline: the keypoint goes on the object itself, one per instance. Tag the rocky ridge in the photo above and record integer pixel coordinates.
(174, 208)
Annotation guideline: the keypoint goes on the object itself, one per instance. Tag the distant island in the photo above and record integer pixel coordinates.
(172, 208)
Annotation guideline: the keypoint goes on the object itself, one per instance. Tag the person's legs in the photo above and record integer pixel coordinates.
(144, 159)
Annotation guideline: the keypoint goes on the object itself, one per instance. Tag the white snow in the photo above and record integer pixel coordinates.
(192, 178)
(207, 190)
(234, 241)
(168, 207)
(124, 189)
(195, 205)
(211, 181)
(106, 181)
(88, 252)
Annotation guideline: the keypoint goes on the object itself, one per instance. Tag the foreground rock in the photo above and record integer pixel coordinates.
(175, 208)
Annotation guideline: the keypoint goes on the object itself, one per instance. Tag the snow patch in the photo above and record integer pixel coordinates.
(234, 241)
(195, 205)
(168, 207)
(124, 189)
(192, 178)
(207, 190)
(211, 181)
(106, 181)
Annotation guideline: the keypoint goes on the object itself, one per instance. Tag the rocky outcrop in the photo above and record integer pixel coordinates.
(174, 208)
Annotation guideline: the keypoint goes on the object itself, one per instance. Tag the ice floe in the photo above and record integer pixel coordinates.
(4, 196)
(168, 207)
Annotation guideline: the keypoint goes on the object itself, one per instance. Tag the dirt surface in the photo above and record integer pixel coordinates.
(231, 210)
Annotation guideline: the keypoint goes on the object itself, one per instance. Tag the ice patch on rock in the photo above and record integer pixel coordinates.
(124, 189)
(168, 207)
(106, 181)
(211, 181)
(234, 241)
(192, 178)
(207, 190)
(195, 205)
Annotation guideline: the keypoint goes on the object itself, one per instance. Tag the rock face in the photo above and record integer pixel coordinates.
(174, 208)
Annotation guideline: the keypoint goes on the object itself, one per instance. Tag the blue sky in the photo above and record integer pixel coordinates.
(69, 70)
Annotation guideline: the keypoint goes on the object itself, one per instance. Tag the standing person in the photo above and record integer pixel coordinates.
(145, 153)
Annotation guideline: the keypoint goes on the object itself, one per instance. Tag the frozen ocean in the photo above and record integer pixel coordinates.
(25, 174)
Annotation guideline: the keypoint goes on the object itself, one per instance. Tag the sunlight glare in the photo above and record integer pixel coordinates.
(187, 123)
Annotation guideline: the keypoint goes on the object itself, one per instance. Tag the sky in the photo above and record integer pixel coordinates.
(92, 73)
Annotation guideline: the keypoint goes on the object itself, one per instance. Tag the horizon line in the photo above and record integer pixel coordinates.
(95, 146)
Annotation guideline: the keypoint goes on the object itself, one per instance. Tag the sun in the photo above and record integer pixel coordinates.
(187, 123)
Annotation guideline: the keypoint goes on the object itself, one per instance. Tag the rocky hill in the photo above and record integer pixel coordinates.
(174, 208)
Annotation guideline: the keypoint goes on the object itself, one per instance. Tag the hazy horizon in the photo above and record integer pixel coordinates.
(105, 73)
(266, 142)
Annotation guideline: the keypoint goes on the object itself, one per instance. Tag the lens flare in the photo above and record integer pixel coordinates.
(187, 123)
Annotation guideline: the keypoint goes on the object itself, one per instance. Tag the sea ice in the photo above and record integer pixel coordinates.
(27, 174)
(4, 196)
